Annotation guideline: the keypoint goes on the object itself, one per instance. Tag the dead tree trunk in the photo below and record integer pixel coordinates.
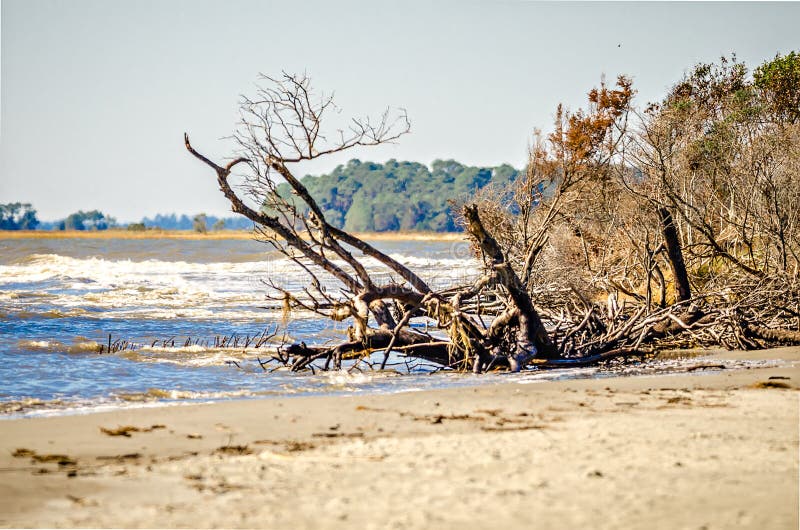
(672, 243)
(532, 339)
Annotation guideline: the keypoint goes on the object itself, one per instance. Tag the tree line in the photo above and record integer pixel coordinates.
(198, 222)
(358, 196)
(23, 216)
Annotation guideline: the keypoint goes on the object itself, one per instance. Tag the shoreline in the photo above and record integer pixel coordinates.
(212, 235)
(664, 451)
(34, 408)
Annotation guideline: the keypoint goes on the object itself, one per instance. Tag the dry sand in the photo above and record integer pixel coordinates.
(710, 449)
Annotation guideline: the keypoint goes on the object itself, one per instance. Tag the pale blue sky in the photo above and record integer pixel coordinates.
(97, 93)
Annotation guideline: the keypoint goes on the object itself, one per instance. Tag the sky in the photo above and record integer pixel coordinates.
(95, 94)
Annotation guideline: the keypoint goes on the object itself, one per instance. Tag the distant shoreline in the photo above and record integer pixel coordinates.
(223, 234)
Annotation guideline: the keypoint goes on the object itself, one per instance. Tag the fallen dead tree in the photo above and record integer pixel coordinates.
(515, 314)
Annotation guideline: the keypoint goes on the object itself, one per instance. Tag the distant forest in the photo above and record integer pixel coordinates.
(22, 216)
(367, 196)
(184, 222)
(358, 196)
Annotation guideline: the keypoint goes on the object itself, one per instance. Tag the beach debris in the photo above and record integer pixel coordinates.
(290, 446)
(436, 419)
(679, 399)
(771, 384)
(233, 450)
(81, 501)
(295, 446)
(337, 434)
(61, 460)
(706, 367)
(127, 430)
(372, 409)
(121, 458)
(491, 428)
(502, 421)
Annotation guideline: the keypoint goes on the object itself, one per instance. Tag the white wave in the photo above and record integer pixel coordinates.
(153, 394)
(79, 273)
(197, 360)
(197, 355)
(79, 345)
(35, 345)
(417, 261)
(180, 289)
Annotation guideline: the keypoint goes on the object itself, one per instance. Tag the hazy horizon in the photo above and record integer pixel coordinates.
(96, 95)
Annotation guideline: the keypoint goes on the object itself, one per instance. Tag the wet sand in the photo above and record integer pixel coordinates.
(706, 449)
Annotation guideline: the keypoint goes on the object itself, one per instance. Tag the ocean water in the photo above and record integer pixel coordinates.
(61, 299)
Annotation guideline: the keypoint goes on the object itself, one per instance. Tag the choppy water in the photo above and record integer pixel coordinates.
(61, 298)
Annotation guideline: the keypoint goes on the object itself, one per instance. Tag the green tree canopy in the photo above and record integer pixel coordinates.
(780, 81)
(368, 196)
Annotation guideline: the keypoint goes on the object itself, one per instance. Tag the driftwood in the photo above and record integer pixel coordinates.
(531, 323)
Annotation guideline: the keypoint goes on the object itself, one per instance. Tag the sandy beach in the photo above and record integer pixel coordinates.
(707, 449)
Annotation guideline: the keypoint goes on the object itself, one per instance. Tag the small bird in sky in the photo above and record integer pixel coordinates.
(619, 45)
